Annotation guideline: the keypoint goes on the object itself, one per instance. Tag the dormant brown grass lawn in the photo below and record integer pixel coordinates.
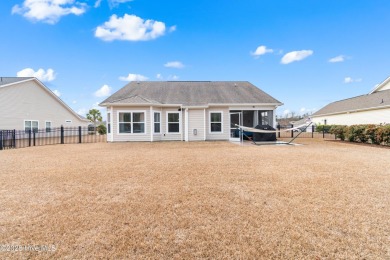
(320, 200)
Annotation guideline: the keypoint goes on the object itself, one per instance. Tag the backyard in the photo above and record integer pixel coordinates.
(321, 199)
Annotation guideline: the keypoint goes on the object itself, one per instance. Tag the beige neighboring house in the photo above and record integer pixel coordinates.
(186, 110)
(372, 108)
(25, 103)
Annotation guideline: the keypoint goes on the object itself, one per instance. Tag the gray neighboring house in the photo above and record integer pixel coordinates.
(25, 103)
(186, 110)
(372, 108)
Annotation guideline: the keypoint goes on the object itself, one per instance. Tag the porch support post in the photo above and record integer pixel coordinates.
(186, 125)
(204, 124)
(112, 124)
(151, 123)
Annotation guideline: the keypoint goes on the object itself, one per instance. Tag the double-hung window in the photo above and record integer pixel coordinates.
(31, 125)
(216, 122)
(131, 122)
(173, 122)
(157, 122)
(48, 126)
(138, 122)
(124, 123)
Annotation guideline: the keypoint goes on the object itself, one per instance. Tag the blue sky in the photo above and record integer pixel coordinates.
(305, 53)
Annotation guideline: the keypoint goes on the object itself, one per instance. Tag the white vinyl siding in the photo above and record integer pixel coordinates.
(377, 116)
(29, 100)
(225, 124)
(196, 122)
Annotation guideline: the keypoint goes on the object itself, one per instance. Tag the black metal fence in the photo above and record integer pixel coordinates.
(310, 132)
(10, 139)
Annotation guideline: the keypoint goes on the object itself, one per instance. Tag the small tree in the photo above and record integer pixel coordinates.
(102, 129)
(95, 117)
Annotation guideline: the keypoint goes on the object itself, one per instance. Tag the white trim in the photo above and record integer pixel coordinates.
(131, 122)
(167, 128)
(204, 125)
(46, 126)
(31, 120)
(200, 106)
(151, 114)
(156, 111)
(112, 125)
(221, 112)
(381, 85)
(186, 123)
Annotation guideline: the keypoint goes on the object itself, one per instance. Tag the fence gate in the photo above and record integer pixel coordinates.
(7, 139)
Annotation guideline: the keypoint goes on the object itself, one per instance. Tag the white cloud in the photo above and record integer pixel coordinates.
(49, 11)
(172, 28)
(286, 112)
(40, 74)
(261, 50)
(57, 92)
(296, 56)
(130, 28)
(104, 91)
(97, 3)
(74, 102)
(159, 76)
(351, 80)
(134, 77)
(339, 58)
(174, 64)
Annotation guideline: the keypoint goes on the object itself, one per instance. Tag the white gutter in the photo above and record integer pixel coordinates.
(351, 111)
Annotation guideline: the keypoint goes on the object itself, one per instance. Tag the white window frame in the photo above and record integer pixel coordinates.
(51, 127)
(24, 124)
(167, 123)
(68, 121)
(131, 122)
(154, 130)
(220, 112)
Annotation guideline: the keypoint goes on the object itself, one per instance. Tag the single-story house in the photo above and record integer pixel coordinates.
(186, 110)
(27, 104)
(372, 108)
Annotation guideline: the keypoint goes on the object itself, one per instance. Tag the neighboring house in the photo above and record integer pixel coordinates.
(25, 103)
(186, 110)
(372, 108)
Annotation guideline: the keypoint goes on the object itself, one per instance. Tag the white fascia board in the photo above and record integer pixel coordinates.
(17, 82)
(352, 111)
(380, 85)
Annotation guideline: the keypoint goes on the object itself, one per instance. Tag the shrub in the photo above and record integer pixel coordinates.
(370, 133)
(356, 133)
(386, 134)
(339, 131)
(102, 129)
(321, 128)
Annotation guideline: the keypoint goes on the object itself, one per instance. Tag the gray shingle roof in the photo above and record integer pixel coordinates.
(374, 100)
(9, 80)
(190, 93)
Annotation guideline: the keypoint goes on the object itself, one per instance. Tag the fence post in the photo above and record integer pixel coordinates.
(1, 140)
(292, 131)
(79, 134)
(278, 130)
(33, 137)
(29, 137)
(323, 132)
(62, 135)
(14, 138)
(312, 131)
